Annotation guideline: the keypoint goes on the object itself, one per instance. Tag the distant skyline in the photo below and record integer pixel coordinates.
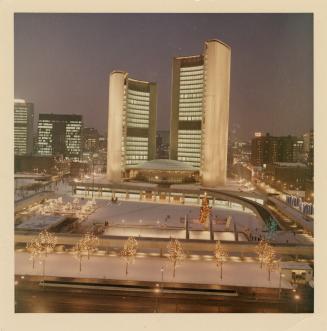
(63, 62)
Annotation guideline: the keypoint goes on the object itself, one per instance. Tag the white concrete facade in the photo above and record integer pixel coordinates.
(131, 124)
(217, 59)
(115, 125)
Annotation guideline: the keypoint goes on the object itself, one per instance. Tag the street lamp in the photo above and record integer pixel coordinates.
(297, 298)
(280, 283)
(162, 271)
(140, 221)
(157, 292)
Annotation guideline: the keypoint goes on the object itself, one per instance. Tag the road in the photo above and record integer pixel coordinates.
(30, 296)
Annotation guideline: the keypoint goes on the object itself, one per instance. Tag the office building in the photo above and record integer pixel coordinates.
(162, 144)
(23, 127)
(268, 149)
(200, 111)
(264, 150)
(90, 140)
(131, 123)
(60, 135)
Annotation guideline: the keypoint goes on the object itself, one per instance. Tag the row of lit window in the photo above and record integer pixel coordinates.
(130, 153)
(137, 102)
(136, 146)
(137, 97)
(20, 116)
(138, 111)
(189, 104)
(190, 112)
(188, 88)
(191, 88)
(134, 125)
(190, 95)
(193, 152)
(136, 157)
(133, 139)
(138, 116)
(191, 82)
(190, 118)
(189, 132)
(192, 76)
(190, 101)
(194, 68)
(142, 122)
(21, 109)
(138, 108)
(140, 93)
(135, 121)
(187, 75)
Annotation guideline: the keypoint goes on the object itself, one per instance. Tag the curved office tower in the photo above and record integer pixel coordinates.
(131, 124)
(200, 111)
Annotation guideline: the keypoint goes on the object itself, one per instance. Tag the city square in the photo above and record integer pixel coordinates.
(168, 181)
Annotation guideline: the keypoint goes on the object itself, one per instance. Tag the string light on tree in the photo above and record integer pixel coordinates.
(270, 260)
(260, 250)
(128, 253)
(175, 253)
(220, 255)
(34, 248)
(205, 209)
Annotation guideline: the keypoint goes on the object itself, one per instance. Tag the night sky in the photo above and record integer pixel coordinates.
(63, 62)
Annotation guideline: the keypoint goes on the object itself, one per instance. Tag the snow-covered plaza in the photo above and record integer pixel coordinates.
(148, 268)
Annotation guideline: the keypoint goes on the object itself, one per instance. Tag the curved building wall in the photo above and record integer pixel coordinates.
(131, 124)
(115, 125)
(217, 59)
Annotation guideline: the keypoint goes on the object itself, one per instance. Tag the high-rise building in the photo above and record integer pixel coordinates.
(131, 123)
(268, 149)
(287, 147)
(90, 139)
(200, 111)
(23, 127)
(162, 144)
(60, 135)
(264, 150)
(308, 148)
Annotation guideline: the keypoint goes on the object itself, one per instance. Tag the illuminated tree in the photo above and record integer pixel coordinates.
(85, 247)
(220, 255)
(175, 253)
(79, 252)
(129, 251)
(41, 246)
(90, 243)
(270, 260)
(260, 249)
(34, 248)
(205, 209)
(47, 241)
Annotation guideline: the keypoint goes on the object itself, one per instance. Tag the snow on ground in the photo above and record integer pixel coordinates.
(171, 215)
(293, 213)
(144, 232)
(149, 269)
(40, 222)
